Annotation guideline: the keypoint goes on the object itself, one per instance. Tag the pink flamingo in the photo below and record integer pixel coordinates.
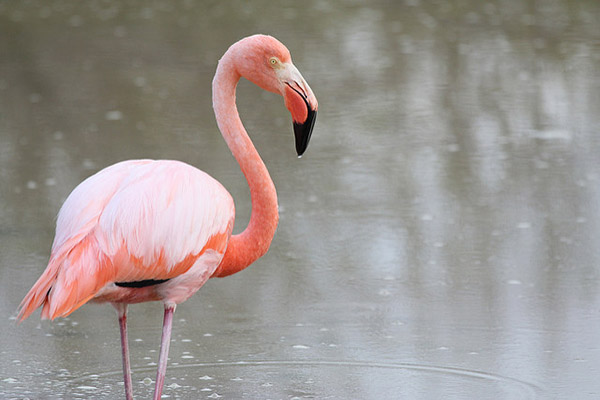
(145, 230)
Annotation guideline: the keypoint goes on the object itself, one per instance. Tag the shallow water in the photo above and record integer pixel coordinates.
(437, 240)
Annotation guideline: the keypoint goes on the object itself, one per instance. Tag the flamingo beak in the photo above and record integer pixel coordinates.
(302, 104)
(303, 130)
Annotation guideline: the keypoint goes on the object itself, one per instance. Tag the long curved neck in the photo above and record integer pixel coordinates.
(254, 241)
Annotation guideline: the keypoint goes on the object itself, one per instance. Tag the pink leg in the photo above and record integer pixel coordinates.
(122, 310)
(164, 350)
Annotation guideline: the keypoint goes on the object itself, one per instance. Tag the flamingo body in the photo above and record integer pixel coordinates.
(145, 230)
(134, 221)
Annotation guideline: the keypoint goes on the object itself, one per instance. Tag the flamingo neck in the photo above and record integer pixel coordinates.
(243, 249)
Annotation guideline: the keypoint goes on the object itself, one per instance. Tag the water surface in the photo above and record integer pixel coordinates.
(437, 240)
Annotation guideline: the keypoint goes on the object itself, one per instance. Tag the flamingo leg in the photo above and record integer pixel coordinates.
(122, 311)
(164, 350)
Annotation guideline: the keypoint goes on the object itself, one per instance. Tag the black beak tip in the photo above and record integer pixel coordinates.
(303, 131)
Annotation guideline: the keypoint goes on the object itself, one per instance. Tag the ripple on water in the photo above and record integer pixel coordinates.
(314, 378)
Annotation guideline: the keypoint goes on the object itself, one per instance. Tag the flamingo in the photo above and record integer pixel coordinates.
(157, 230)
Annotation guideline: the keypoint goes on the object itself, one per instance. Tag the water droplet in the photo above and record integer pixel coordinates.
(139, 81)
(91, 128)
(426, 217)
(114, 115)
(87, 387)
(453, 148)
(88, 164)
(300, 346)
(147, 381)
(205, 378)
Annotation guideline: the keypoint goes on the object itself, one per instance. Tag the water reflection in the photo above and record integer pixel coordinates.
(444, 214)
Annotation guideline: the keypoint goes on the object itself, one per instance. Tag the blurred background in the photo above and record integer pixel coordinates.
(437, 240)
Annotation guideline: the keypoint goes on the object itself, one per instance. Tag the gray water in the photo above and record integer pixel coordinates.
(438, 240)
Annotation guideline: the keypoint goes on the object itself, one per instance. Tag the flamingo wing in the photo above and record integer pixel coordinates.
(133, 221)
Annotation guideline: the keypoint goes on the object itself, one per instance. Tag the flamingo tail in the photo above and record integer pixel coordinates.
(39, 293)
(67, 283)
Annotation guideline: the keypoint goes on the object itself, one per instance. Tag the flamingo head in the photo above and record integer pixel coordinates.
(267, 63)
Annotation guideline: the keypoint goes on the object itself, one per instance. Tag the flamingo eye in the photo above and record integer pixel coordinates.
(273, 61)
